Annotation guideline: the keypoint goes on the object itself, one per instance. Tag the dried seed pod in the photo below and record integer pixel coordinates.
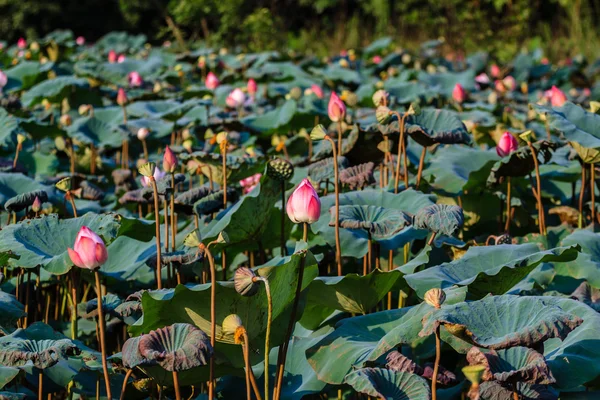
(244, 282)
(435, 297)
(383, 115)
(380, 97)
(280, 169)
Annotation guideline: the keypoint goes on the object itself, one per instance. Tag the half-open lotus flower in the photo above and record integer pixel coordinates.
(376, 59)
(3, 80)
(236, 98)
(304, 204)
(482, 79)
(89, 251)
(252, 87)
(459, 93)
(135, 79)
(556, 96)
(248, 184)
(158, 174)
(336, 108)
(112, 56)
(143, 133)
(507, 144)
(316, 89)
(211, 82)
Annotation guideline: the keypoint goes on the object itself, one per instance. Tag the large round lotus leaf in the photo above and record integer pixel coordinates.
(516, 364)
(90, 130)
(176, 347)
(9, 128)
(406, 92)
(157, 109)
(17, 350)
(588, 295)
(337, 73)
(499, 322)
(22, 76)
(387, 384)
(109, 303)
(456, 169)
(520, 162)
(121, 42)
(437, 126)
(496, 391)
(10, 312)
(489, 269)
(7, 374)
(12, 185)
(381, 223)
(44, 241)
(440, 218)
(272, 121)
(444, 82)
(322, 170)
(54, 90)
(22, 201)
(575, 123)
(354, 243)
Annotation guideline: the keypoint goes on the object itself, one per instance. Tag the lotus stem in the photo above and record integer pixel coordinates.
(581, 195)
(370, 255)
(508, 206)
(250, 379)
(339, 143)
(401, 150)
(224, 171)
(176, 386)
(27, 290)
(173, 224)
(145, 147)
(17, 150)
(127, 375)
(73, 299)
(40, 385)
(72, 156)
(283, 249)
(338, 246)
(431, 239)
(436, 366)
(541, 218)
(515, 393)
(284, 347)
(92, 159)
(593, 192)
(101, 324)
(421, 163)
(157, 233)
(213, 325)
(268, 333)
(69, 196)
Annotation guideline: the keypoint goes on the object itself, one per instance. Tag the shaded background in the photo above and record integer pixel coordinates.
(561, 27)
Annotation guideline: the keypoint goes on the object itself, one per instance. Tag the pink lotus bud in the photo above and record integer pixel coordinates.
(252, 87)
(80, 40)
(143, 133)
(557, 97)
(495, 71)
(316, 89)
(509, 83)
(3, 80)
(499, 86)
(304, 204)
(89, 250)
(37, 205)
(169, 161)
(248, 184)
(336, 108)
(458, 93)
(344, 53)
(507, 144)
(211, 81)
(482, 79)
(587, 92)
(158, 174)
(22, 43)
(121, 97)
(167, 43)
(376, 59)
(135, 79)
(236, 98)
(112, 57)
(121, 58)
(545, 61)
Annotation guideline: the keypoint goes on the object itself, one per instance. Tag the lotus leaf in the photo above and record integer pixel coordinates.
(437, 126)
(387, 384)
(440, 218)
(25, 200)
(379, 222)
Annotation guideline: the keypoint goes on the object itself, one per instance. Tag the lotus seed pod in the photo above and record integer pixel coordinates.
(504, 239)
(383, 115)
(280, 169)
(318, 132)
(222, 238)
(380, 98)
(147, 169)
(474, 373)
(414, 109)
(351, 99)
(244, 282)
(21, 138)
(64, 184)
(435, 297)
(192, 239)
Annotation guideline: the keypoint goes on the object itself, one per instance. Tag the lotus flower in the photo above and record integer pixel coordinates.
(121, 97)
(143, 133)
(112, 57)
(236, 98)
(169, 161)
(510, 83)
(89, 250)
(22, 43)
(37, 204)
(211, 82)
(336, 108)
(248, 184)
(135, 79)
(3, 80)
(458, 93)
(80, 40)
(482, 79)
(557, 97)
(121, 58)
(316, 89)
(252, 87)
(158, 174)
(377, 59)
(495, 71)
(304, 204)
(507, 144)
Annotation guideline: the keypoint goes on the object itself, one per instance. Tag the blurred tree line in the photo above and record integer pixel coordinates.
(563, 27)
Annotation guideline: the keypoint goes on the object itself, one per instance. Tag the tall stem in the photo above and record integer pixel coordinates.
(581, 195)
(338, 247)
(40, 385)
(72, 201)
(17, 155)
(101, 325)
(268, 333)
(176, 385)
(250, 373)
(224, 171)
(432, 238)
(284, 346)
(145, 147)
(173, 225)
(283, 219)
(339, 143)
(92, 159)
(436, 366)
(166, 212)
(127, 375)
(72, 157)
(157, 222)
(213, 319)
(400, 152)
(593, 192)
(508, 206)
(541, 218)
(421, 163)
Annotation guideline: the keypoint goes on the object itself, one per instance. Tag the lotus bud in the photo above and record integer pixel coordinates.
(493, 98)
(304, 205)
(21, 43)
(280, 169)
(318, 133)
(459, 93)
(380, 98)
(295, 93)
(406, 58)
(251, 87)
(495, 71)
(221, 138)
(482, 79)
(3, 80)
(65, 120)
(509, 83)
(232, 325)
(245, 282)
(557, 97)
(37, 205)
(383, 115)
(147, 169)
(430, 69)
(316, 89)
(201, 62)
(435, 297)
(46, 104)
(169, 161)
(236, 98)
(112, 57)
(376, 59)
(507, 144)
(344, 63)
(143, 133)
(594, 106)
(80, 41)
(192, 239)
(351, 99)
(135, 79)
(336, 108)
(248, 184)
(157, 87)
(89, 250)
(21, 138)
(64, 184)
(211, 81)
(379, 85)
(121, 97)
(121, 58)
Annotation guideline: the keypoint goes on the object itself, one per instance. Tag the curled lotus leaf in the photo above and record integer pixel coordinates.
(387, 384)
(499, 322)
(588, 295)
(123, 180)
(321, 171)
(213, 202)
(437, 126)
(132, 305)
(516, 364)
(440, 218)
(22, 201)
(163, 185)
(445, 376)
(90, 191)
(492, 390)
(134, 196)
(567, 214)
(520, 162)
(358, 176)
(184, 201)
(109, 304)
(380, 222)
(177, 257)
(176, 347)
(12, 396)
(16, 351)
(397, 361)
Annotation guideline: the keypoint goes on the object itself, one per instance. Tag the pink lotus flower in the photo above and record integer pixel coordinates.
(3, 80)
(458, 93)
(211, 81)
(510, 83)
(248, 184)
(143, 133)
(236, 98)
(495, 71)
(37, 204)
(336, 108)
(80, 40)
(316, 89)
(482, 79)
(121, 97)
(158, 174)
(507, 144)
(112, 57)
(169, 160)
(135, 79)
(377, 59)
(556, 96)
(89, 250)
(22, 43)
(304, 204)
(252, 87)
(121, 58)
(587, 92)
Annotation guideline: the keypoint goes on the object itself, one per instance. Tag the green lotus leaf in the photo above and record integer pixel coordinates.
(121, 42)
(489, 269)
(7, 374)
(54, 90)
(9, 128)
(10, 312)
(500, 322)
(406, 92)
(337, 73)
(588, 295)
(386, 384)
(158, 128)
(176, 347)
(577, 125)
(89, 310)
(22, 76)
(16, 350)
(272, 121)
(158, 109)
(213, 202)
(13, 395)
(22, 201)
(496, 391)
(440, 218)
(12, 185)
(444, 82)
(520, 162)
(516, 364)
(322, 170)
(92, 130)
(437, 126)
(380, 223)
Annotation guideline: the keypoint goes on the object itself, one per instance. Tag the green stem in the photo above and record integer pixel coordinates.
(157, 222)
(338, 246)
(101, 324)
(268, 333)
(213, 322)
(436, 366)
